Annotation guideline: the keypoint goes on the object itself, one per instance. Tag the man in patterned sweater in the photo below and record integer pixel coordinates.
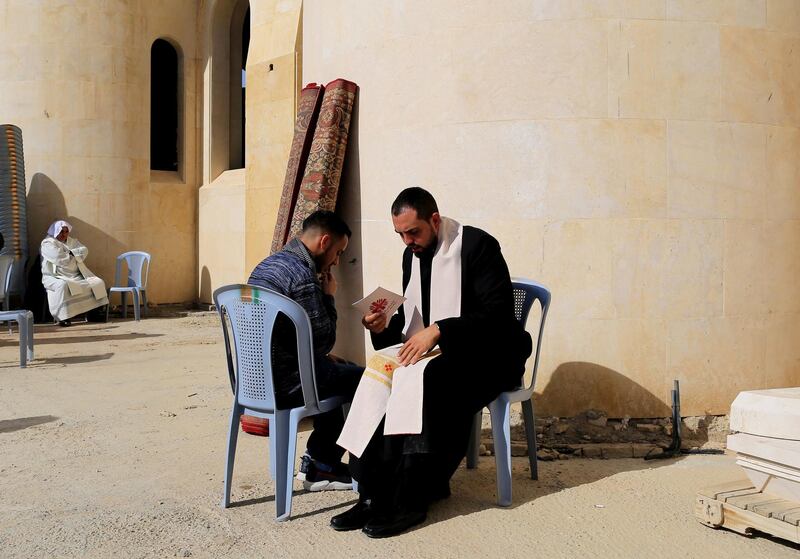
(302, 272)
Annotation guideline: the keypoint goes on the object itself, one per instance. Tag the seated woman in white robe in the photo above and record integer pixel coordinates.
(71, 287)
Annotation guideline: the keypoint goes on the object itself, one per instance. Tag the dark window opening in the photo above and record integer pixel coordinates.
(245, 49)
(239, 47)
(163, 106)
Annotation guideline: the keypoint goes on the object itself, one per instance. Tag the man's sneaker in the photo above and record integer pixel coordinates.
(305, 462)
(317, 476)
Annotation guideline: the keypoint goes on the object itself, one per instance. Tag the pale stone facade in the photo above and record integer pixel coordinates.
(639, 157)
(75, 77)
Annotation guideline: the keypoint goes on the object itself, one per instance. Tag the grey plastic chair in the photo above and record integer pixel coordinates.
(526, 292)
(138, 264)
(6, 269)
(250, 313)
(24, 320)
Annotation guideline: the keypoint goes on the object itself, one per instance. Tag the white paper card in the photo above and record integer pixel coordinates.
(380, 300)
(415, 325)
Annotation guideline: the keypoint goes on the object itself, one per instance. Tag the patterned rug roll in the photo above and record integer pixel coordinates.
(307, 113)
(320, 185)
(13, 217)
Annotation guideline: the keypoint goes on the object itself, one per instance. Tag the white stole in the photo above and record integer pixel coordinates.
(388, 389)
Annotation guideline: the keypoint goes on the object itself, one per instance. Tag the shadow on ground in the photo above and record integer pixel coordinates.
(11, 425)
(73, 360)
(96, 338)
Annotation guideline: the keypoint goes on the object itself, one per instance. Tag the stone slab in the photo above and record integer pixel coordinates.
(768, 413)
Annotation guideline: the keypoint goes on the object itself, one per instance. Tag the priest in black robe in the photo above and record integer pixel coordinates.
(483, 353)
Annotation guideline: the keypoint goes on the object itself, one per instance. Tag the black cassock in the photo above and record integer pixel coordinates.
(483, 353)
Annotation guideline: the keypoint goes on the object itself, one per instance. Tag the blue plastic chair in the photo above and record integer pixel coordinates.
(24, 320)
(525, 293)
(6, 268)
(250, 312)
(138, 264)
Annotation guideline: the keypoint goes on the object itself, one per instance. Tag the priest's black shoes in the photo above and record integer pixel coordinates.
(354, 518)
(388, 526)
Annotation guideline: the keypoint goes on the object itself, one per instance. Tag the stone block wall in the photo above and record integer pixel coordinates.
(640, 158)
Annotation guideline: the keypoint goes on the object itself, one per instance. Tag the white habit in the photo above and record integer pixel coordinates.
(71, 287)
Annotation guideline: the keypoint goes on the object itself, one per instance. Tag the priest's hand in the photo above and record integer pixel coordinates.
(418, 345)
(375, 322)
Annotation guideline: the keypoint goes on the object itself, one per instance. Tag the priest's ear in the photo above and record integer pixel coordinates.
(436, 220)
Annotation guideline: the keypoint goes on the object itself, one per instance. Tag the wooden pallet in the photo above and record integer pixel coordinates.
(739, 507)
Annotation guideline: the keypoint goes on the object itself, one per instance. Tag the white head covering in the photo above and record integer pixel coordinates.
(55, 228)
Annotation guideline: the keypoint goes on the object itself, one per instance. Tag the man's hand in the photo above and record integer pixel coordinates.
(328, 283)
(418, 345)
(375, 322)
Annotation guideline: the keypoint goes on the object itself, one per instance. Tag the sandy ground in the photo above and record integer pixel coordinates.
(112, 444)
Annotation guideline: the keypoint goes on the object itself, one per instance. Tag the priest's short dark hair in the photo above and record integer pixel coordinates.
(415, 198)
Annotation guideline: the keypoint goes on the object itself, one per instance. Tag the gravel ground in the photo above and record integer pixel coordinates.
(112, 444)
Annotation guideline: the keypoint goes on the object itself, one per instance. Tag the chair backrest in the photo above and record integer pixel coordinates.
(526, 292)
(251, 312)
(6, 268)
(138, 269)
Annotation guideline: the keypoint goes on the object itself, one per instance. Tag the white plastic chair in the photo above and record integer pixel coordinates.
(24, 320)
(138, 264)
(250, 313)
(525, 293)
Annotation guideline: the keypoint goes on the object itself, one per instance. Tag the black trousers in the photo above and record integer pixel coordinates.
(333, 379)
(407, 472)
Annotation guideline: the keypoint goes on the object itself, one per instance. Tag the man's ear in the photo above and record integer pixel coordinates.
(325, 241)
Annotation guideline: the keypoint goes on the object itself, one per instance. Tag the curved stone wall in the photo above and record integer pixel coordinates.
(642, 159)
(75, 77)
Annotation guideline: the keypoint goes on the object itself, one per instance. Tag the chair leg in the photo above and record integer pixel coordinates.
(27, 318)
(124, 297)
(501, 432)
(474, 441)
(273, 452)
(108, 306)
(285, 432)
(23, 340)
(530, 433)
(233, 437)
(136, 314)
(30, 336)
(144, 302)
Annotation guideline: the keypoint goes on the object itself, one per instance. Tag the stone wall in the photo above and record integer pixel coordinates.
(591, 434)
(238, 208)
(640, 158)
(75, 77)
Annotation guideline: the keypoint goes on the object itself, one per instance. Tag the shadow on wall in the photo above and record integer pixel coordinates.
(578, 386)
(205, 286)
(350, 333)
(46, 204)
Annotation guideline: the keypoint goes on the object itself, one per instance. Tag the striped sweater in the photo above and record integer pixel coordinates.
(293, 273)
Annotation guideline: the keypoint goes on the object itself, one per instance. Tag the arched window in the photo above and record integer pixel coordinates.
(239, 46)
(164, 121)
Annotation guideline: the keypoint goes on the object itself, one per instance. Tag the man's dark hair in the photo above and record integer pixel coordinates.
(415, 198)
(327, 222)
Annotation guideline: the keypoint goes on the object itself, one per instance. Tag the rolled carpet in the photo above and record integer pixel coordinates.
(320, 185)
(306, 122)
